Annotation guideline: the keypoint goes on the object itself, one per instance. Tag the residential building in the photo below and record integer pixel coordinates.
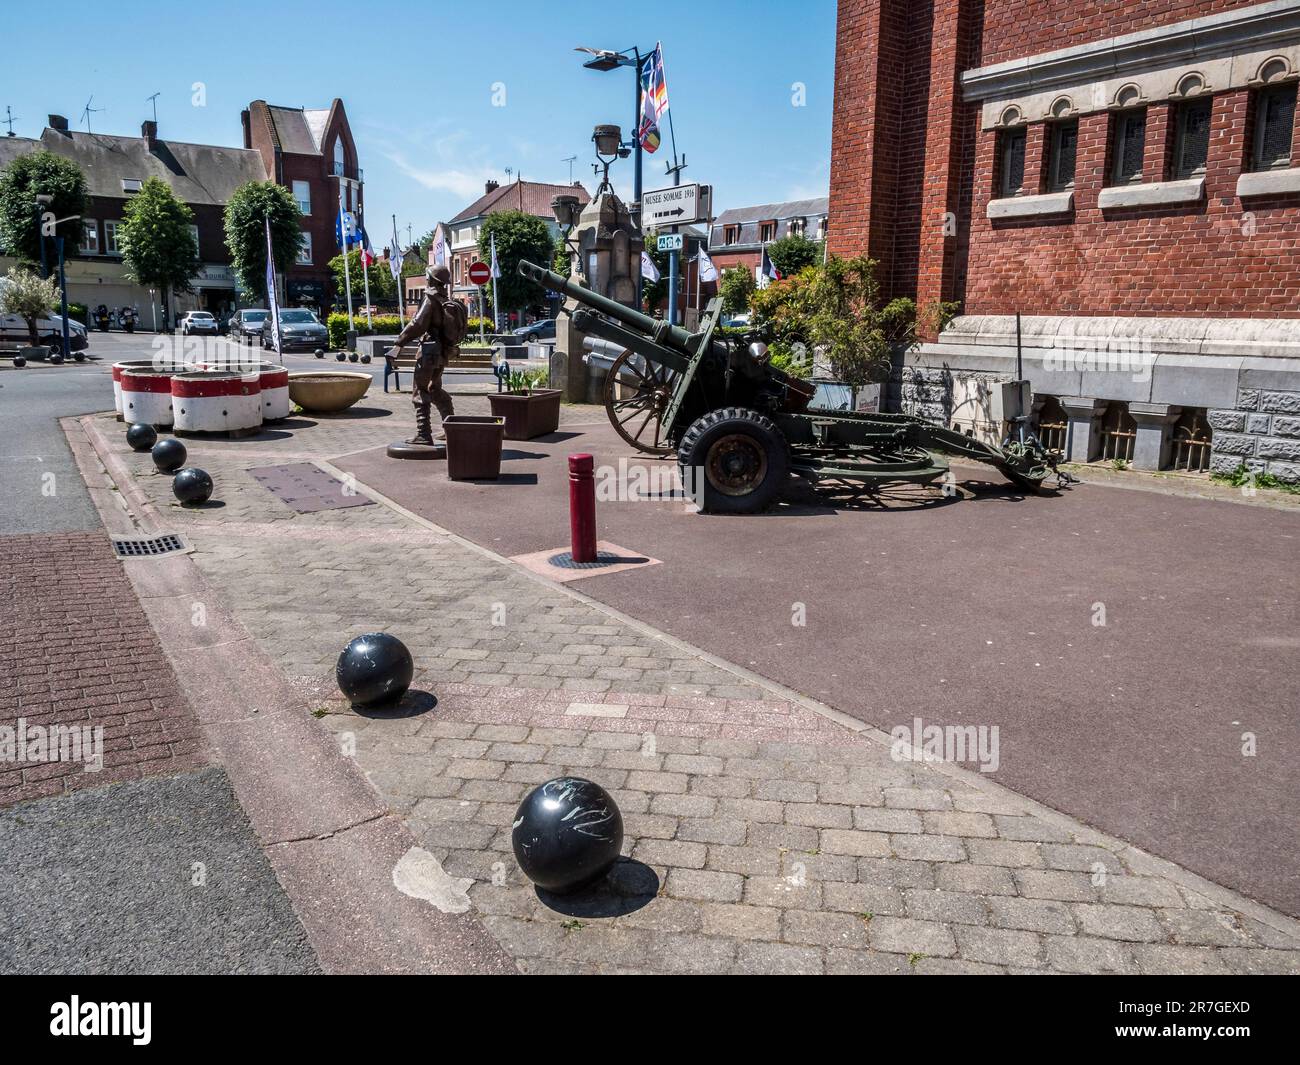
(1123, 177)
(737, 236)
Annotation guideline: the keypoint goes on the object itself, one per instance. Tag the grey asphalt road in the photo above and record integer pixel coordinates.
(102, 880)
(155, 876)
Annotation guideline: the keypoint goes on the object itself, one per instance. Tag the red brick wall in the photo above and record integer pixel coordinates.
(1218, 258)
(1031, 27)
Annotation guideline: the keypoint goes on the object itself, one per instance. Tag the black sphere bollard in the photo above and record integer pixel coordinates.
(567, 834)
(319, 353)
(20, 361)
(373, 669)
(141, 437)
(192, 485)
(353, 356)
(365, 358)
(169, 455)
(340, 356)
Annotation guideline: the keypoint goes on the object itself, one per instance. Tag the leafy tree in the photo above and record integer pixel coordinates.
(736, 286)
(246, 212)
(158, 248)
(791, 254)
(653, 292)
(383, 289)
(562, 261)
(30, 296)
(519, 235)
(836, 308)
(28, 176)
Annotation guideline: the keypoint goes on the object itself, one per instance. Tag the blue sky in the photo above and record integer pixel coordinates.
(417, 80)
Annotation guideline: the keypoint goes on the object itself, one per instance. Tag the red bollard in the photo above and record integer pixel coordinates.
(582, 508)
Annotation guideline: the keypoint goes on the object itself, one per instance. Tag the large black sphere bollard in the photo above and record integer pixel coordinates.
(340, 356)
(374, 668)
(365, 358)
(169, 455)
(567, 834)
(353, 356)
(141, 437)
(192, 485)
(20, 361)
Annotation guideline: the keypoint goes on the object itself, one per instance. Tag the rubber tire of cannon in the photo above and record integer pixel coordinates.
(718, 425)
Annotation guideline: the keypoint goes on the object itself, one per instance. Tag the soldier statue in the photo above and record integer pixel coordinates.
(439, 326)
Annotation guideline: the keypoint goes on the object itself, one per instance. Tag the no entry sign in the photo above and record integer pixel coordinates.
(480, 273)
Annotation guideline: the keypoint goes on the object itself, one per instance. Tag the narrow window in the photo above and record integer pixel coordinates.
(89, 237)
(1011, 175)
(766, 231)
(302, 193)
(1065, 146)
(304, 250)
(1192, 144)
(110, 239)
(1130, 138)
(1274, 120)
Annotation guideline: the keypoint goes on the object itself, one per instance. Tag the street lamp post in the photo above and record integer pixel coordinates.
(43, 200)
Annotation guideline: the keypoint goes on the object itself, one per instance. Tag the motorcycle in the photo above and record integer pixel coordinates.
(102, 318)
(127, 318)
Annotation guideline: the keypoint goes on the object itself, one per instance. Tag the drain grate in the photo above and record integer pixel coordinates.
(564, 560)
(148, 546)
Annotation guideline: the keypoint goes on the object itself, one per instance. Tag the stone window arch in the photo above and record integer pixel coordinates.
(1273, 70)
(1192, 84)
(1011, 116)
(339, 157)
(1129, 96)
(1062, 107)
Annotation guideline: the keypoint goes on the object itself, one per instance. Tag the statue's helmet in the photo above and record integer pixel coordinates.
(439, 275)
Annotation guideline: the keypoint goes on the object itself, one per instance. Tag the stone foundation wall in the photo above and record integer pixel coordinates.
(1262, 433)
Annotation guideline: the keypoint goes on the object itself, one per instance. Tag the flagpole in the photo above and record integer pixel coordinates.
(365, 267)
(496, 308)
(401, 289)
(347, 273)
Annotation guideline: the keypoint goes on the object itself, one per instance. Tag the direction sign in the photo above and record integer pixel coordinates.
(676, 206)
(479, 273)
(671, 242)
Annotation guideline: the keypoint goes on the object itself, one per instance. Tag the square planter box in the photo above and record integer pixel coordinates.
(473, 447)
(527, 415)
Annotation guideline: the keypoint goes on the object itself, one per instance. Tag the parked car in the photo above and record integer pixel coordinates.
(299, 329)
(49, 331)
(199, 322)
(544, 329)
(248, 323)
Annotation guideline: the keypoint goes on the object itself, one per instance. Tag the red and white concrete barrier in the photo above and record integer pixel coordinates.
(274, 382)
(214, 401)
(146, 395)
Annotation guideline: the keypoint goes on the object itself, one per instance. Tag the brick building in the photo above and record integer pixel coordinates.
(737, 236)
(1124, 176)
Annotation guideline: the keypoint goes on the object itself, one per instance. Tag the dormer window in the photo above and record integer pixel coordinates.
(766, 231)
(731, 235)
(131, 185)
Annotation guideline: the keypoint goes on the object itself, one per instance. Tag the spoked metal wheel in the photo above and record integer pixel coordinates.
(636, 395)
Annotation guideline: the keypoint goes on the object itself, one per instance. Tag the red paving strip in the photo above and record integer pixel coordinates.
(979, 612)
(77, 650)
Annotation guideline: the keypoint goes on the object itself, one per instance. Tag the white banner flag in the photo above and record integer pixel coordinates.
(648, 269)
(708, 272)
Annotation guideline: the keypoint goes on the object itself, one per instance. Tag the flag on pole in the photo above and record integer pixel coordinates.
(767, 272)
(708, 272)
(272, 300)
(365, 247)
(654, 98)
(346, 230)
(395, 256)
(439, 246)
(648, 269)
(496, 270)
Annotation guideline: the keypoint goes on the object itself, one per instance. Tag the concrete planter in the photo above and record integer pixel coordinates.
(327, 392)
(527, 415)
(37, 354)
(473, 447)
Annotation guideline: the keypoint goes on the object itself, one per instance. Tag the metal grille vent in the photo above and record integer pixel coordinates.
(148, 546)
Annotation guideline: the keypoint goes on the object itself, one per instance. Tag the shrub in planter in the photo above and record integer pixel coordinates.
(529, 411)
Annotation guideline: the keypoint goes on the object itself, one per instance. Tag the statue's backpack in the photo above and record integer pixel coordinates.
(455, 323)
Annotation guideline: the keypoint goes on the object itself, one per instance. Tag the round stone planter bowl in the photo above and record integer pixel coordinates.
(327, 391)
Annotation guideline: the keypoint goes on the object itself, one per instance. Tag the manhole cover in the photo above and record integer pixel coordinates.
(147, 546)
(564, 560)
(307, 488)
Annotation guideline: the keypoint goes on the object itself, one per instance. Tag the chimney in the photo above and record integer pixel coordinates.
(149, 131)
(58, 122)
(491, 186)
(246, 120)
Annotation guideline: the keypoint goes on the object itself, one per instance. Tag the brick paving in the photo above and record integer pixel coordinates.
(76, 650)
(761, 836)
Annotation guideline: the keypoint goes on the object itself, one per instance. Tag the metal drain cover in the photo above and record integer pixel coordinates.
(564, 560)
(307, 488)
(144, 547)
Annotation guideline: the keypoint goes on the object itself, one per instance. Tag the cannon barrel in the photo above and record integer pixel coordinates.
(660, 331)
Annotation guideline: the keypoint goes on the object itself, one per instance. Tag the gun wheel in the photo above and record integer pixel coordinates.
(734, 461)
(637, 393)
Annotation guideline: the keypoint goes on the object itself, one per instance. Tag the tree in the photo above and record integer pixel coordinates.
(246, 212)
(736, 286)
(30, 296)
(32, 175)
(835, 307)
(158, 248)
(791, 254)
(383, 289)
(562, 261)
(519, 235)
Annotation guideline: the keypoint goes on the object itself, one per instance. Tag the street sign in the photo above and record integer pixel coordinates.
(671, 241)
(676, 206)
(479, 273)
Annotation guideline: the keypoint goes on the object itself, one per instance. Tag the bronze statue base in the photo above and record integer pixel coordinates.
(405, 449)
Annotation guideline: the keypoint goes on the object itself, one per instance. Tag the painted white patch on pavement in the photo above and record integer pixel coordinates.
(420, 875)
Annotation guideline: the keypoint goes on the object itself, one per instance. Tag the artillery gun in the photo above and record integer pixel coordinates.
(740, 426)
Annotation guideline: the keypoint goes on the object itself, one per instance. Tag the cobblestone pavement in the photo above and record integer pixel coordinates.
(761, 834)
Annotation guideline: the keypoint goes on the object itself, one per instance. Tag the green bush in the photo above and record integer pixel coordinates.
(77, 311)
(381, 324)
(488, 328)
